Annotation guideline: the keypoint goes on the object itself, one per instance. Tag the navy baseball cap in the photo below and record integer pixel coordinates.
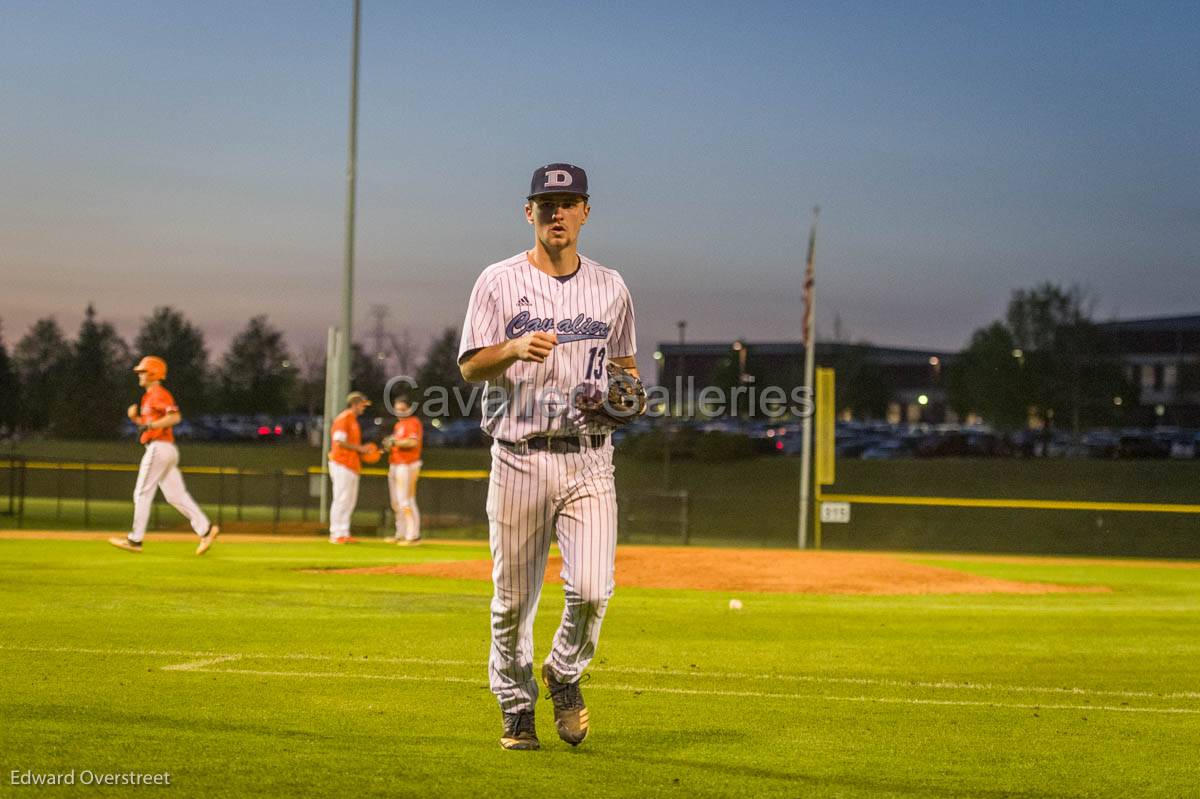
(558, 179)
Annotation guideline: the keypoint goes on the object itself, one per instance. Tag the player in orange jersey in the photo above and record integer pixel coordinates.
(345, 463)
(404, 465)
(155, 417)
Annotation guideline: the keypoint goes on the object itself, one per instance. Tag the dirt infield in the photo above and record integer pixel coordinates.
(1061, 560)
(778, 571)
(699, 568)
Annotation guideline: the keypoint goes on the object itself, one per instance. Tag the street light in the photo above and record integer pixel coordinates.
(681, 369)
(740, 349)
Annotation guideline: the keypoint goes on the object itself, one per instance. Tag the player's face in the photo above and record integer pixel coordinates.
(557, 218)
(402, 408)
(359, 406)
(142, 380)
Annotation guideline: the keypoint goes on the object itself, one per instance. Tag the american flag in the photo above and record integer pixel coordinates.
(809, 279)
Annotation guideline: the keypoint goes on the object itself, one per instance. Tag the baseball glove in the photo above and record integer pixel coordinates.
(372, 454)
(622, 403)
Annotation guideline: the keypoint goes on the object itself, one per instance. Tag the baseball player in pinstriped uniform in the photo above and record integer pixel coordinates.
(155, 416)
(540, 327)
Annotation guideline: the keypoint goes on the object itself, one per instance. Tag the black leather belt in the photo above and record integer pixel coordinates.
(556, 444)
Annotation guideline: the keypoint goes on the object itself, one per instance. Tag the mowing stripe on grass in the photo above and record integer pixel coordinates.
(199, 664)
(644, 689)
(217, 657)
(941, 684)
(957, 702)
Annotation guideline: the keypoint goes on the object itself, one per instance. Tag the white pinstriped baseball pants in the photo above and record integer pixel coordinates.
(532, 498)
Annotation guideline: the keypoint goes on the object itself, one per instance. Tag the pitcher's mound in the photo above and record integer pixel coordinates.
(761, 570)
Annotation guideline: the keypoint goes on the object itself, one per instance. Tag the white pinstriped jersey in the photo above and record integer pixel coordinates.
(591, 312)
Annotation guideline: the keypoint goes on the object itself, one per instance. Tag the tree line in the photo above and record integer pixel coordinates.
(79, 388)
(1046, 360)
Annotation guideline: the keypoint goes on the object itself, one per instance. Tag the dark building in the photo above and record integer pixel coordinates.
(913, 376)
(1162, 357)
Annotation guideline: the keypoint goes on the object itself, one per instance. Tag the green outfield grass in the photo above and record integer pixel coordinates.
(242, 675)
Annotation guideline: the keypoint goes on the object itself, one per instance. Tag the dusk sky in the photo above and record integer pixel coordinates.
(193, 154)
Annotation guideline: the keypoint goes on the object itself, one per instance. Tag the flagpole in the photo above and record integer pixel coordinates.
(810, 346)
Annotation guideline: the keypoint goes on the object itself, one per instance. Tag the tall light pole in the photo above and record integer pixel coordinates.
(337, 351)
(682, 371)
(351, 175)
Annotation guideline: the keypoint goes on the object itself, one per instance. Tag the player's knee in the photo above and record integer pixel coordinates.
(590, 599)
(506, 618)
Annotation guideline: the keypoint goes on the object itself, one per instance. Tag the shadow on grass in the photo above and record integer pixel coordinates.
(877, 785)
(109, 721)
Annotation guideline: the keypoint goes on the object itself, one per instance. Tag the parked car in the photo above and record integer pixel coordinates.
(1184, 447)
(854, 447)
(461, 433)
(971, 444)
(1142, 445)
(891, 449)
(634, 428)
(188, 431)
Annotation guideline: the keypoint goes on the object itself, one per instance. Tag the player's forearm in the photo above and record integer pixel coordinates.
(488, 363)
(361, 449)
(170, 420)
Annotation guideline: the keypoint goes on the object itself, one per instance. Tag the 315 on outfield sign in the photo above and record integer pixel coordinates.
(835, 512)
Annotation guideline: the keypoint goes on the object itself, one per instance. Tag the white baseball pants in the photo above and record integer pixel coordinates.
(532, 498)
(160, 469)
(402, 489)
(345, 497)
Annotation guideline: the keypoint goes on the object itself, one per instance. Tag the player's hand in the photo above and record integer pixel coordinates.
(132, 412)
(535, 347)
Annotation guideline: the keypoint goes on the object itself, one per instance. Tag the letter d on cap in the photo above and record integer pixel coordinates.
(558, 178)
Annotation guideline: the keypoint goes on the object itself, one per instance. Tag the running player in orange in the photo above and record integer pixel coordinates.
(346, 452)
(404, 465)
(156, 415)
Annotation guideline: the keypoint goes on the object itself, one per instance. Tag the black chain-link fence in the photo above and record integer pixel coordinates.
(86, 495)
(48, 494)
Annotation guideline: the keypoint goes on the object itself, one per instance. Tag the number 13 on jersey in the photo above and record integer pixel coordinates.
(595, 364)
